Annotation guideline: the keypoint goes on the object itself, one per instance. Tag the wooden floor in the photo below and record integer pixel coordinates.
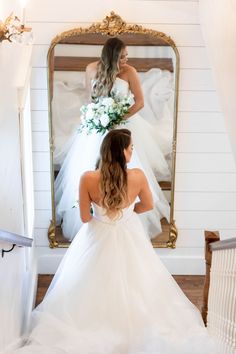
(192, 286)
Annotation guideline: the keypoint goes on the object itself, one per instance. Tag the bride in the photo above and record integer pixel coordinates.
(111, 293)
(112, 74)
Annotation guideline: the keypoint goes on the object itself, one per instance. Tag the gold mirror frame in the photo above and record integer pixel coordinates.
(112, 25)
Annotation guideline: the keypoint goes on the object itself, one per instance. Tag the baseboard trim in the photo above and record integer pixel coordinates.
(176, 265)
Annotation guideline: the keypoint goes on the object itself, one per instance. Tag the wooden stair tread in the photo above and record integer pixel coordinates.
(191, 285)
(165, 185)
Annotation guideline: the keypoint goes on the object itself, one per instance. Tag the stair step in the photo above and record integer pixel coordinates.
(192, 286)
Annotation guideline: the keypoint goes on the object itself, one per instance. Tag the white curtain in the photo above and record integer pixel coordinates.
(218, 20)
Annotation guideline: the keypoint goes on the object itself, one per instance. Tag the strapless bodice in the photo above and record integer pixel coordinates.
(120, 88)
(99, 213)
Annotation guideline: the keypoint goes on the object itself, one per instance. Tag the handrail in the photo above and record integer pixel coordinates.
(15, 240)
(230, 243)
(211, 237)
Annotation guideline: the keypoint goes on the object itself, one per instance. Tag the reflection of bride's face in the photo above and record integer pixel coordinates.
(128, 152)
(123, 57)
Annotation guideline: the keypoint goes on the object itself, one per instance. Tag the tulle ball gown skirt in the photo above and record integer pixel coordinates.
(112, 295)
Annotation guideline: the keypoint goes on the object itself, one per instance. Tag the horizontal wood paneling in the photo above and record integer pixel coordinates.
(42, 181)
(180, 252)
(205, 201)
(130, 11)
(42, 200)
(42, 218)
(198, 101)
(190, 238)
(193, 58)
(206, 220)
(195, 238)
(200, 122)
(196, 79)
(41, 237)
(203, 142)
(39, 100)
(40, 121)
(39, 78)
(39, 56)
(182, 34)
(205, 162)
(225, 234)
(41, 162)
(204, 182)
(40, 141)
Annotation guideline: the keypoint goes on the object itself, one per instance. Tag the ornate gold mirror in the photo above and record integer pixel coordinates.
(156, 59)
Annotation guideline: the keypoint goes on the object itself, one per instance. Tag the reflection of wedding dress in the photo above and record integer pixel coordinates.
(66, 103)
(68, 97)
(112, 295)
(158, 89)
(83, 155)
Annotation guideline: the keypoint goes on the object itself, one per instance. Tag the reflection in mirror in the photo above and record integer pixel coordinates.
(153, 128)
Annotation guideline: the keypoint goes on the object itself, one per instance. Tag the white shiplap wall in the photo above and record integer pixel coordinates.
(206, 174)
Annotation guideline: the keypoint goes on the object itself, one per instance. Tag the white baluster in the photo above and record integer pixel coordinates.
(222, 300)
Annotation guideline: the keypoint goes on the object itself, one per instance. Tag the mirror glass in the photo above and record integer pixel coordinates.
(155, 58)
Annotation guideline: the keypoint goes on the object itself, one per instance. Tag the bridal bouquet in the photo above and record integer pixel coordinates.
(105, 113)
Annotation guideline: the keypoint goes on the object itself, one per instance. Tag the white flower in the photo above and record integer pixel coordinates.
(107, 101)
(130, 99)
(103, 114)
(96, 121)
(89, 114)
(92, 105)
(104, 119)
(83, 120)
(101, 110)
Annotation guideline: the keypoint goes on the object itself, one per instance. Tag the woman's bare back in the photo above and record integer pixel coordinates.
(134, 182)
(89, 191)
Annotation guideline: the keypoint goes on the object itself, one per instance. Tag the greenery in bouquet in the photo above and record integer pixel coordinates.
(104, 113)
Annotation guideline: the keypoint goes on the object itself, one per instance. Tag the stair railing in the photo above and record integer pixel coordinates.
(219, 309)
(14, 240)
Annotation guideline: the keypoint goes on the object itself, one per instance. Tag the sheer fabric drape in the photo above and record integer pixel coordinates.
(218, 20)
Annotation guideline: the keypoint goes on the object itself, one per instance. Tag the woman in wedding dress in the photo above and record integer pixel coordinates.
(113, 75)
(111, 294)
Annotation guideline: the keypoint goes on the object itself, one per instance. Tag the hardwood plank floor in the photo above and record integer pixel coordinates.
(192, 286)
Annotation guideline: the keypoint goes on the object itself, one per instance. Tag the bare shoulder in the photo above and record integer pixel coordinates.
(89, 176)
(91, 68)
(131, 73)
(136, 173)
(130, 69)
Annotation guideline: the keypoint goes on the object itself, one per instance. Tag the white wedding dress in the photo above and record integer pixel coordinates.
(81, 154)
(112, 295)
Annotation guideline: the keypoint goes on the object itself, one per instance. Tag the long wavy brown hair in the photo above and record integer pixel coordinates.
(112, 166)
(108, 67)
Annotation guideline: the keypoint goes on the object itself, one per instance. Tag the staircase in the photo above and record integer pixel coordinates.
(192, 286)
